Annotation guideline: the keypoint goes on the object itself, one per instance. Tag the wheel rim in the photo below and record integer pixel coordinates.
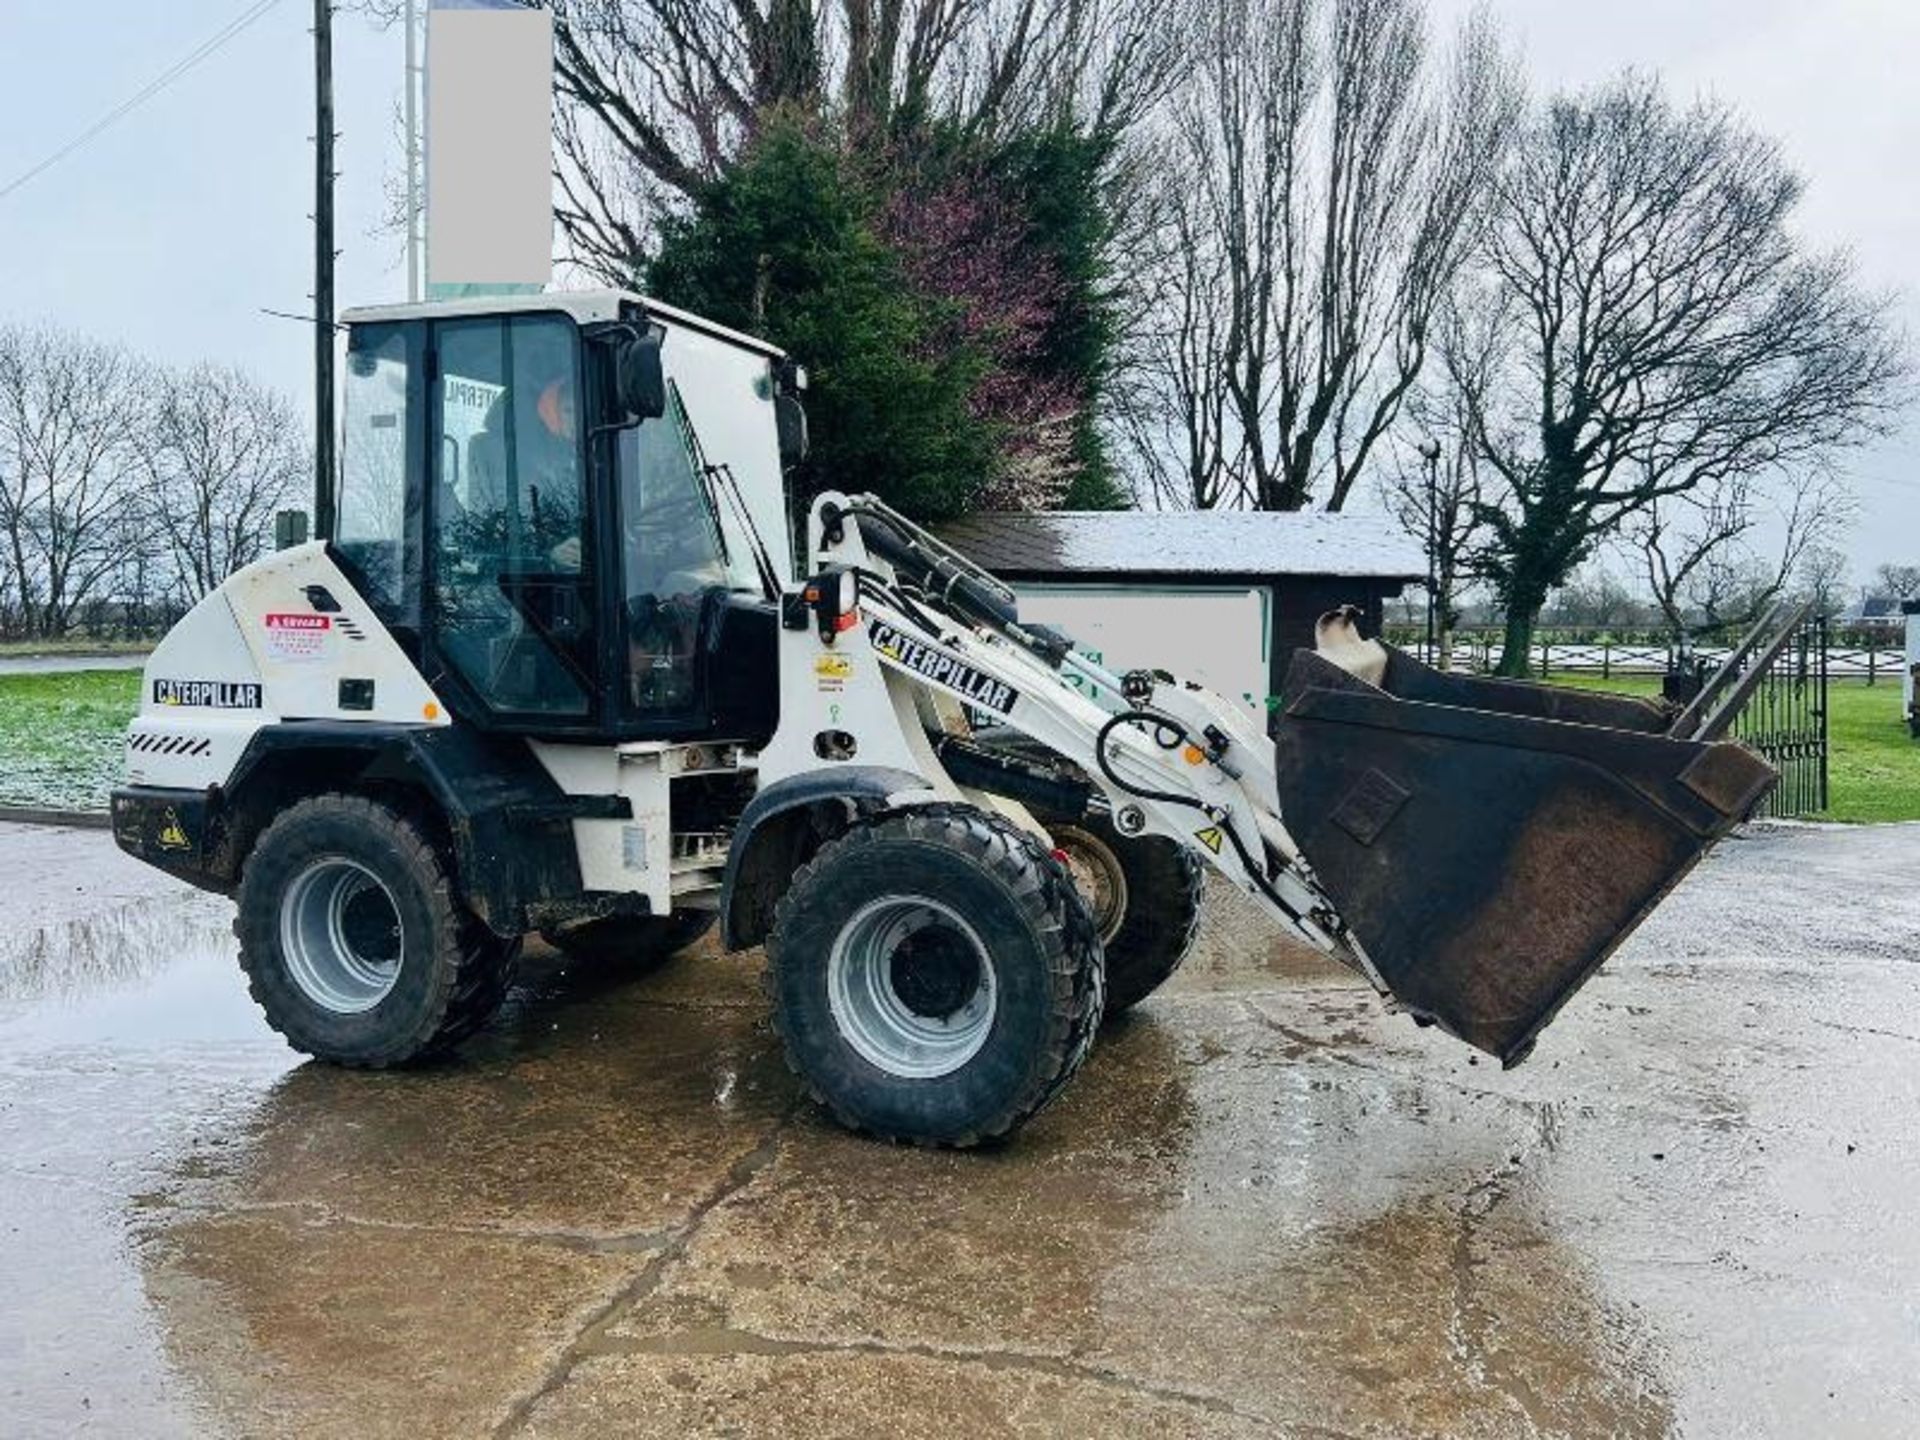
(1099, 877)
(911, 987)
(340, 933)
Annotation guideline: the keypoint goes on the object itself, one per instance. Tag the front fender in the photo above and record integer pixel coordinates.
(777, 833)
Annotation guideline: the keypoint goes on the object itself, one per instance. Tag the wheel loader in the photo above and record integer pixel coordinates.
(553, 667)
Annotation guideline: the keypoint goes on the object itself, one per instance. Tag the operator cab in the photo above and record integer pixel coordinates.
(532, 504)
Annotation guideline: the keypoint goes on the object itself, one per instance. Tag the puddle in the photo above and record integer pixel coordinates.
(122, 1033)
(1261, 1194)
(146, 975)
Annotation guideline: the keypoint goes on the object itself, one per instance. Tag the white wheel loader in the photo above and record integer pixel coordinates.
(551, 668)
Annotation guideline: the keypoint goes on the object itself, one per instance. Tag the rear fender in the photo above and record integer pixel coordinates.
(507, 825)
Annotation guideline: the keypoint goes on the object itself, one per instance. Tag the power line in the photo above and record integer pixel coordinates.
(160, 82)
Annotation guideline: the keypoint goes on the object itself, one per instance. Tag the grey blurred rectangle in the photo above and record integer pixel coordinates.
(489, 147)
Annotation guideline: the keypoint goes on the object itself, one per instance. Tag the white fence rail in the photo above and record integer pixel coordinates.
(1881, 664)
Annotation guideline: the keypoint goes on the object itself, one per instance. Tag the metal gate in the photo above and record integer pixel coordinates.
(1785, 718)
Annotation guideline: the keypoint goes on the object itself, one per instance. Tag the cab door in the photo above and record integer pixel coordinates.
(510, 552)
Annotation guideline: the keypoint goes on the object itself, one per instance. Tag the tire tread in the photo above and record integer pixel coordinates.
(471, 972)
(1066, 931)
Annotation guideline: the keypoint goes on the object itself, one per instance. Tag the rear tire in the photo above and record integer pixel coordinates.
(353, 941)
(1144, 893)
(640, 943)
(934, 976)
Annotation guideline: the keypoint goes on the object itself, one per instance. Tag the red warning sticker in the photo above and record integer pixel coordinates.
(293, 638)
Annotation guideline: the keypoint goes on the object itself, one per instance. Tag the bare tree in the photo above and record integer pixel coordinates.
(1596, 597)
(221, 453)
(1900, 581)
(1438, 491)
(1171, 404)
(1720, 554)
(69, 409)
(1435, 494)
(1668, 334)
(1332, 176)
(11, 622)
(1822, 577)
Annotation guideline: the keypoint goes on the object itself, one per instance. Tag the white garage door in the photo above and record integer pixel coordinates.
(1219, 637)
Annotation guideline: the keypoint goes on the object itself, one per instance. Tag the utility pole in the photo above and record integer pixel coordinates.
(323, 462)
(413, 155)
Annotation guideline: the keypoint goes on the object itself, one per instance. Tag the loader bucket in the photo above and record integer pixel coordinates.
(1490, 842)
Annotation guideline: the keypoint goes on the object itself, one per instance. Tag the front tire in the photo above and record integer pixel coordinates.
(353, 941)
(934, 976)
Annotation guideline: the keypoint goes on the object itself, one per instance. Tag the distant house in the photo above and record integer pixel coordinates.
(1219, 596)
(1880, 612)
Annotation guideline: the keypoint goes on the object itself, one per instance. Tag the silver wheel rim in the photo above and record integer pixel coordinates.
(1099, 877)
(911, 987)
(340, 934)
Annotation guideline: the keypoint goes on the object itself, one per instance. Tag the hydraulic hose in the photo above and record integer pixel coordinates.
(1256, 873)
(936, 575)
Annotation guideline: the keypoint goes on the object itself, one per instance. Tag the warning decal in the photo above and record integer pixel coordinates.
(173, 835)
(293, 639)
(1209, 837)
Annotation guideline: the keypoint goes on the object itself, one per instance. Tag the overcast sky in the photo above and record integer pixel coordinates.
(176, 228)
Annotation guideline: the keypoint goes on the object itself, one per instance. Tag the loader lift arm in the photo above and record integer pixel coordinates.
(1170, 757)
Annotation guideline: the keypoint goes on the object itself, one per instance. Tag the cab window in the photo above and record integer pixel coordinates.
(511, 559)
(672, 557)
(376, 531)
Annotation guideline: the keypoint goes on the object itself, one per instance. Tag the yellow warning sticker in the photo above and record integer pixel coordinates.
(1209, 837)
(831, 673)
(172, 836)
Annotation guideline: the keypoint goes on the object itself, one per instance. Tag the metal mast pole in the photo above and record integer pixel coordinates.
(1430, 453)
(413, 156)
(323, 462)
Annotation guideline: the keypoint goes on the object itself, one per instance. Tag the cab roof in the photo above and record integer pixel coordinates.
(584, 306)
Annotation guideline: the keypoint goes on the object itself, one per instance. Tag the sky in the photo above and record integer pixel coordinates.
(175, 230)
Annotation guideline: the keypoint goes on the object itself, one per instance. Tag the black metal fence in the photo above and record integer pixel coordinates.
(1786, 720)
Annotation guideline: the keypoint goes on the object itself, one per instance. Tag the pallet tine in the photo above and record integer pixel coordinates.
(1718, 704)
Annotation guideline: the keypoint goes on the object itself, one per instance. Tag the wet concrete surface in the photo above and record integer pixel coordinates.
(1264, 1207)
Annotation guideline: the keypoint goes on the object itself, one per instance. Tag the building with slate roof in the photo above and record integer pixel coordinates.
(1264, 577)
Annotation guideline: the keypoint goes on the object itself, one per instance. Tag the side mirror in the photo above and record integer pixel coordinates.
(790, 426)
(789, 416)
(640, 381)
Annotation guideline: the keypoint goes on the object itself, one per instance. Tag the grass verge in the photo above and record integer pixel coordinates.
(62, 736)
(71, 645)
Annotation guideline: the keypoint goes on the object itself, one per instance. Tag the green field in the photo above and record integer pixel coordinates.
(60, 741)
(61, 736)
(1873, 772)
